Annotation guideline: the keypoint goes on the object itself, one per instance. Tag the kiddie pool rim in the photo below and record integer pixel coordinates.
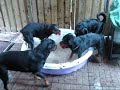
(64, 68)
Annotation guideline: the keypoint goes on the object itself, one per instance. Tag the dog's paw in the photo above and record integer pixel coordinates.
(36, 77)
(47, 83)
(93, 59)
(44, 85)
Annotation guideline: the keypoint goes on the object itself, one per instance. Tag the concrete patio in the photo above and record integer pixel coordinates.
(92, 76)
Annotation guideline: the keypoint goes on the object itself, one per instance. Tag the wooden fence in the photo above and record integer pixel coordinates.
(15, 14)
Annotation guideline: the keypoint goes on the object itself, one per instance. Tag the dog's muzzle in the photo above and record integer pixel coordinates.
(63, 45)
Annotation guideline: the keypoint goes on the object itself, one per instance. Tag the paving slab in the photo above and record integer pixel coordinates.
(92, 76)
(7, 36)
(3, 45)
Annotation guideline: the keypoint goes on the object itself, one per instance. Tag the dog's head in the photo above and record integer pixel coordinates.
(81, 29)
(47, 44)
(55, 29)
(67, 41)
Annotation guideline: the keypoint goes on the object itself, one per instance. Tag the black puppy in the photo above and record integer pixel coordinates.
(26, 61)
(91, 25)
(38, 30)
(81, 43)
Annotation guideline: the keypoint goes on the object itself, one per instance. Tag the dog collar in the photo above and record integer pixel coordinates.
(76, 48)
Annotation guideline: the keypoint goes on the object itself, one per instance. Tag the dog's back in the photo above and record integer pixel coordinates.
(15, 60)
(94, 22)
(34, 28)
(91, 39)
(38, 30)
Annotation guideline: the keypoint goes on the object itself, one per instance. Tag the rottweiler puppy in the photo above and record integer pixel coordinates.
(91, 25)
(38, 30)
(26, 61)
(81, 43)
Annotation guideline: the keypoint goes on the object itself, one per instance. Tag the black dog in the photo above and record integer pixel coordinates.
(81, 43)
(26, 61)
(38, 30)
(90, 25)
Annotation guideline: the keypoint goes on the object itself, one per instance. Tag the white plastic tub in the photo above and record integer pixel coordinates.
(66, 67)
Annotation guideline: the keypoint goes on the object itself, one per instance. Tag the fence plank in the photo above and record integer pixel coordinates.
(74, 14)
(77, 12)
(81, 12)
(95, 8)
(17, 15)
(54, 11)
(102, 6)
(88, 9)
(47, 11)
(22, 12)
(34, 11)
(67, 13)
(5, 15)
(40, 11)
(2, 27)
(11, 15)
(28, 8)
(61, 13)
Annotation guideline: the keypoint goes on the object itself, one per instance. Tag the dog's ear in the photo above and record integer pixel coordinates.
(57, 27)
(70, 38)
(52, 46)
(70, 42)
(85, 31)
(54, 26)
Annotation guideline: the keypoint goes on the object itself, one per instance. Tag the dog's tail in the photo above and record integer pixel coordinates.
(102, 14)
(93, 59)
